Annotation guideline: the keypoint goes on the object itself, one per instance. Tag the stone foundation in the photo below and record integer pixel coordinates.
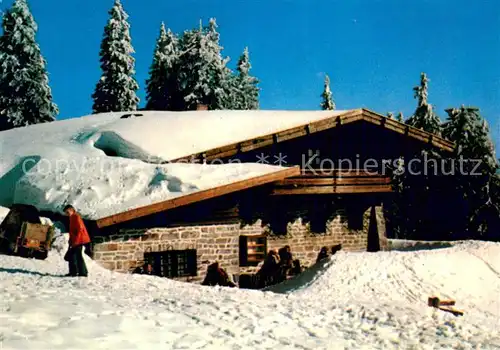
(124, 251)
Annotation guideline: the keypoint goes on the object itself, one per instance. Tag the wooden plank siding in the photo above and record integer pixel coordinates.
(318, 126)
(197, 197)
(331, 190)
(338, 182)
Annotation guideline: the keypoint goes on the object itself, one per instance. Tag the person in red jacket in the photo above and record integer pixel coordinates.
(78, 238)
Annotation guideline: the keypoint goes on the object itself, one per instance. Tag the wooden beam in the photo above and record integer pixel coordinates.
(197, 196)
(297, 132)
(257, 143)
(377, 180)
(418, 134)
(332, 190)
(338, 173)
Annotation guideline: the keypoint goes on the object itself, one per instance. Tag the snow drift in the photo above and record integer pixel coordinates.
(353, 301)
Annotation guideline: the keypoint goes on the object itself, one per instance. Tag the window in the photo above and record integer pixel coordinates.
(173, 263)
(252, 250)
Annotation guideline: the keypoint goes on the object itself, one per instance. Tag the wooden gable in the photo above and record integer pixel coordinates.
(338, 121)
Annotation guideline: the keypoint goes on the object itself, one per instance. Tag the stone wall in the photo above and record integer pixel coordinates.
(124, 250)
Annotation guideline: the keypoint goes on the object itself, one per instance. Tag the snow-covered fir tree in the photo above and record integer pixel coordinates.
(161, 87)
(220, 75)
(327, 96)
(246, 85)
(424, 118)
(203, 75)
(25, 95)
(470, 132)
(117, 88)
(474, 178)
(190, 67)
(400, 118)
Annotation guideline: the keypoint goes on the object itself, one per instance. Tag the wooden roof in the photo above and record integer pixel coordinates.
(198, 196)
(348, 117)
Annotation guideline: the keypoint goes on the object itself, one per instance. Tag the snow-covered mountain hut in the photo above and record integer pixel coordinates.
(305, 179)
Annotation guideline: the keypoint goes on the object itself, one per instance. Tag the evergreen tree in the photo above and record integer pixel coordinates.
(161, 87)
(203, 75)
(475, 166)
(116, 89)
(25, 95)
(470, 132)
(220, 75)
(190, 66)
(400, 118)
(246, 85)
(424, 117)
(327, 96)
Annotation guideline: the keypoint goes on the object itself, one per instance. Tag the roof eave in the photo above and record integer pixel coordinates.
(198, 196)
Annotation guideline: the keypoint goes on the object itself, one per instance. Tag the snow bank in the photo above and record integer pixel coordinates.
(49, 165)
(356, 301)
(407, 245)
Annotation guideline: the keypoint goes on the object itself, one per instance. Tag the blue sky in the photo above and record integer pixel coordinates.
(373, 50)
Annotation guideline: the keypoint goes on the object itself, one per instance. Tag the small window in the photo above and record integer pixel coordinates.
(173, 263)
(252, 250)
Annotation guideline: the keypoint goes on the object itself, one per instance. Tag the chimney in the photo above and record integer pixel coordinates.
(201, 107)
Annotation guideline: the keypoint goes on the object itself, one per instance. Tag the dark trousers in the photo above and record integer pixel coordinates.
(76, 263)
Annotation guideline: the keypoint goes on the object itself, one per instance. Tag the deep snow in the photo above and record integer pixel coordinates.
(354, 301)
(50, 165)
(125, 184)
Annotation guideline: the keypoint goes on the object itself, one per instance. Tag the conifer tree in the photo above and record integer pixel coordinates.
(190, 67)
(220, 75)
(161, 87)
(470, 132)
(424, 118)
(117, 87)
(247, 90)
(327, 96)
(203, 75)
(400, 118)
(25, 95)
(475, 166)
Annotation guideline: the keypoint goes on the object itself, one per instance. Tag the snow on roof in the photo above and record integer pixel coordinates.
(172, 135)
(100, 187)
(49, 165)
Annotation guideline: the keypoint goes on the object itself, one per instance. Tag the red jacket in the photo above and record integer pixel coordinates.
(78, 234)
